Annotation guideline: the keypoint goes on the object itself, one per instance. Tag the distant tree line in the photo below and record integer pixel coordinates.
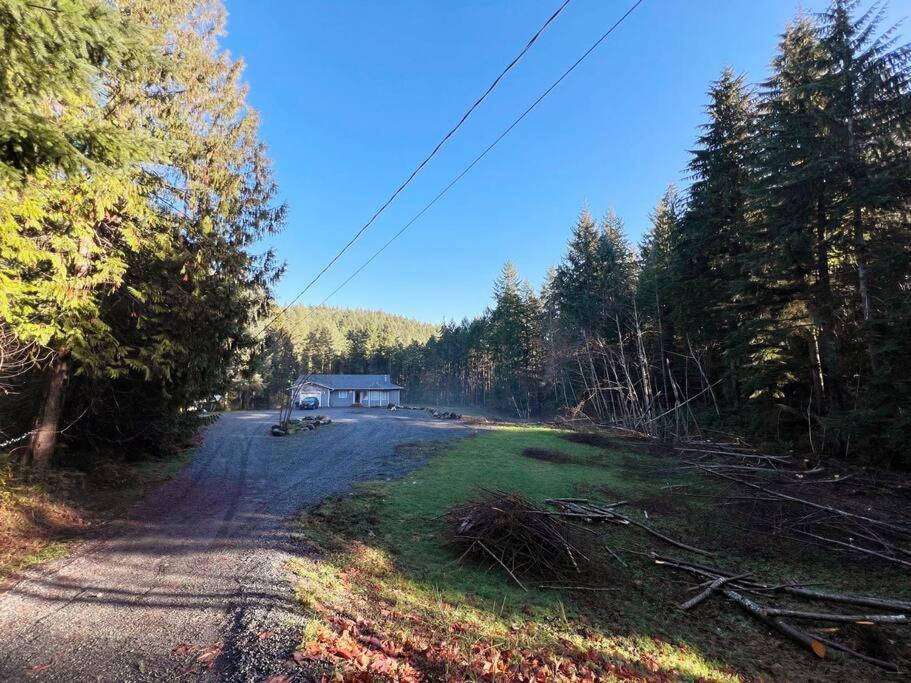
(132, 187)
(319, 340)
(773, 297)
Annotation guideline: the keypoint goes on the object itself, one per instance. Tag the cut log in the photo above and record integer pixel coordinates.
(812, 643)
(843, 618)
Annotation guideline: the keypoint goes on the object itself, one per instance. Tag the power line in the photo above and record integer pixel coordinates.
(420, 166)
(485, 152)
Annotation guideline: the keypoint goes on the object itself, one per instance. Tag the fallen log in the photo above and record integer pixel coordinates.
(711, 588)
(842, 618)
(813, 643)
(863, 600)
(901, 606)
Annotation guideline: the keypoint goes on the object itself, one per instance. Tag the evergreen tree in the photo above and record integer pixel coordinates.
(54, 60)
(615, 280)
(576, 278)
(713, 230)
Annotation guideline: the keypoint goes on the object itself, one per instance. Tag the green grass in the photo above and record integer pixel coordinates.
(385, 545)
(401, 523)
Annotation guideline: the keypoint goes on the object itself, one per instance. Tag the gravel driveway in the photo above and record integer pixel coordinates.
(192, 584)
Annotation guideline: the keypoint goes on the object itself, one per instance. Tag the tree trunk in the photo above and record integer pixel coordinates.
(863, 280)
(47, 426)
(823, 313)
(860, 242)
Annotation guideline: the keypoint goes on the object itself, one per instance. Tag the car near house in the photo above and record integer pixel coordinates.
(308, 403)
(339, 391)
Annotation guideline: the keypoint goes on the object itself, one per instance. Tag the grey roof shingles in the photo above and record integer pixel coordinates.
(349, 381)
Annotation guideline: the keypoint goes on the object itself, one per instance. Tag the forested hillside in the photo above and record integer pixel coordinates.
(350, 340)
(773, 297)
(323, 339)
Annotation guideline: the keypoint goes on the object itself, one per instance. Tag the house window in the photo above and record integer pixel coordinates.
(343, 394)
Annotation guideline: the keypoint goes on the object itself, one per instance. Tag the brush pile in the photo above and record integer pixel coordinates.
(511, 532)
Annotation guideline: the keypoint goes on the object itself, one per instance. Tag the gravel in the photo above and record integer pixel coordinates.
(192, 584)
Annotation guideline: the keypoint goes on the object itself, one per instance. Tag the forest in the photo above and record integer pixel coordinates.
(769, 296)
(134, 190)
(321, 339)
(772, 298)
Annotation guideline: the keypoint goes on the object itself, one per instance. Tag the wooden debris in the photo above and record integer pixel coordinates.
(815, 645)
(581, 507)
(736, 586)
(517, 535)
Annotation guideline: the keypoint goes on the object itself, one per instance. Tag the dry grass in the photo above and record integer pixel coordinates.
(41, 519)
(34, 526)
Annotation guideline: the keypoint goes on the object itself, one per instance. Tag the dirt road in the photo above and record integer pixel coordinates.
(192, 584)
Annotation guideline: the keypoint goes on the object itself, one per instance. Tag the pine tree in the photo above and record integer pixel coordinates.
(712, 233)
(70, 213)
(615, 279)
(149, 281)
(657, 287)
(594, 283)
(791, 337)
(864, 97)
(577, 277)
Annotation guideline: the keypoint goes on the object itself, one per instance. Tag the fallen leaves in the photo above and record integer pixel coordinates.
(208, 656)
(353, 652)
(368, 627)
(357, 652)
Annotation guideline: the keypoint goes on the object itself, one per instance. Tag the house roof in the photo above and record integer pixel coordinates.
(349, 381)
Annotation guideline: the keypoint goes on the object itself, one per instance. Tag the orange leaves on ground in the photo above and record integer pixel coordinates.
(378, 640)
(208, 656)
(355, 653)
(359, 654)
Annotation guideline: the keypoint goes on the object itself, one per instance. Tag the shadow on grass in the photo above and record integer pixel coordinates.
(381, 556)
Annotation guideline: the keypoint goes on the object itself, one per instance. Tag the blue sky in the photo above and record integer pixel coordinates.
(353, 94)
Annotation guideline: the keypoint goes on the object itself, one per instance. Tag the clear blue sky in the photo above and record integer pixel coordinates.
(353, 94)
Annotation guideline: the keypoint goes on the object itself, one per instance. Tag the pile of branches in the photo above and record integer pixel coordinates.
(755, 598)
(852, 511)
(513, 533)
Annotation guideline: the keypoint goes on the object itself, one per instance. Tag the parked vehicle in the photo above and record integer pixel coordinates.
(309, 403)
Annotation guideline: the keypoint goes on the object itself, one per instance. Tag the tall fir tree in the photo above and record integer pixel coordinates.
(713, 230)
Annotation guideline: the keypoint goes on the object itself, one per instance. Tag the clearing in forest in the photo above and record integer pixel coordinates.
(391, 590)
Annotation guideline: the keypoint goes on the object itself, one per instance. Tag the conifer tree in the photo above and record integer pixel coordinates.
(712, 234)
(615, 280)
(577, 276)
(54, 58)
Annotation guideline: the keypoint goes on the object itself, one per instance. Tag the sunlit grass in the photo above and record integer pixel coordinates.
(385, 560)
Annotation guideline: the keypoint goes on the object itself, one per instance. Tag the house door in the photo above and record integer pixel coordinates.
(357, 396)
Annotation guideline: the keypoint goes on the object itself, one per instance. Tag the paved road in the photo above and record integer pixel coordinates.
(199, 562)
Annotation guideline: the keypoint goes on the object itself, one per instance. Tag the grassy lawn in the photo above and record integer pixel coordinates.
(389, 596)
